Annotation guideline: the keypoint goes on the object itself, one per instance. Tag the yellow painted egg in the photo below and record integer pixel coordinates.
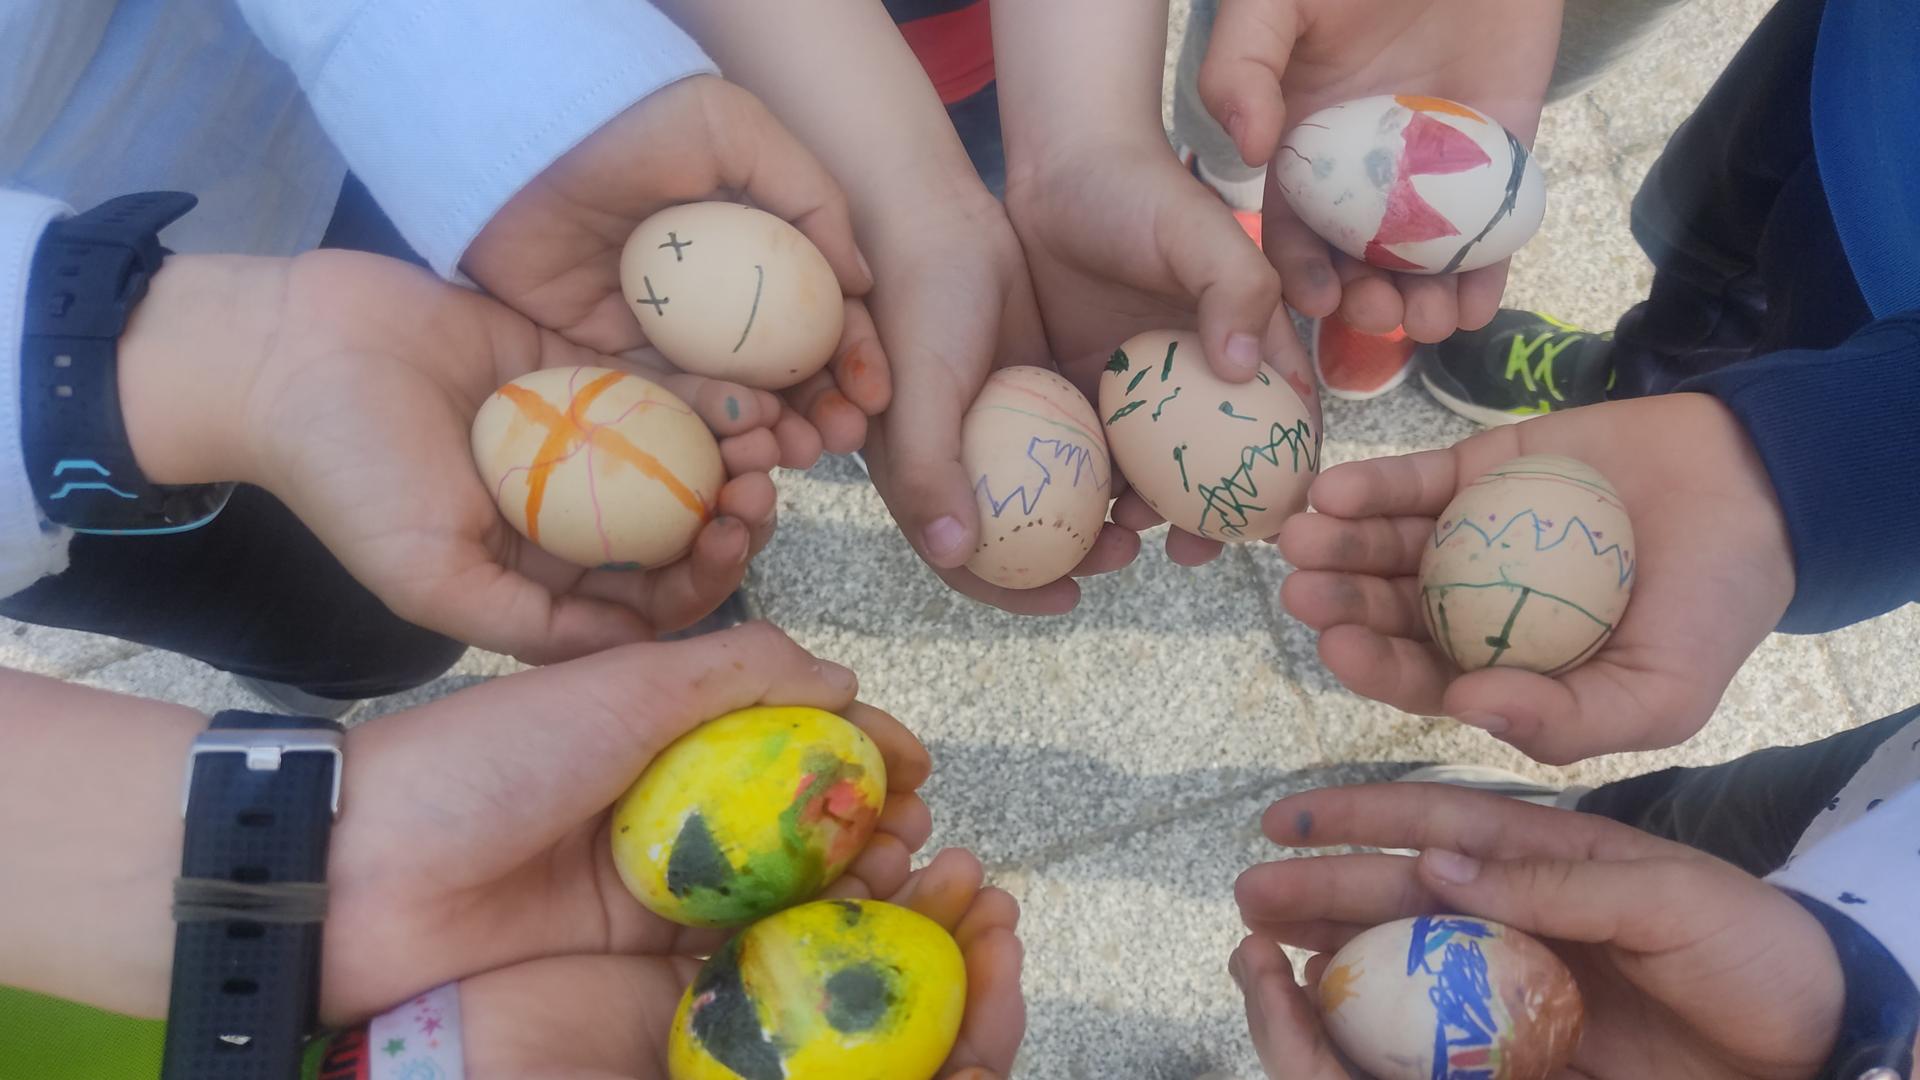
(599, 467)
(747, 814)
(1451, 995)
(1033, 448)
(1530, 567)
(1222, 460)
(734, 293)
(832, 990)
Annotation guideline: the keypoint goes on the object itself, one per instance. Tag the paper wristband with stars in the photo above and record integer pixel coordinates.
(418, 1040)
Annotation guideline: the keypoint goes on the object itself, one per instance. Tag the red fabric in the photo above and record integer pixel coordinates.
(347, 1057)
(956, 48)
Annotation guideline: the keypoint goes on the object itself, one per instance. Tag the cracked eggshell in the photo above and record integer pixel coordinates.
(1422, 185)
(732, 292)
(832, 990)
(1500, 1002)
(1530, 566)
(599, 467)
(1227, 461)
(1032, 445)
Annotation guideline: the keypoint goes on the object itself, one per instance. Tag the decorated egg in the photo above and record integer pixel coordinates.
(734, 293)
(1227, 461)
(1530, 567)
(1417, 184)
(831, 990)
(1032, 445)
(1451, 995)
(747, 814)
(599, 467)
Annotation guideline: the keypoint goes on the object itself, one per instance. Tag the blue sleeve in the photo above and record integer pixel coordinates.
(1839, 432)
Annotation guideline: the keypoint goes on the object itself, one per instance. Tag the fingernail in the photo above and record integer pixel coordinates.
(1243, 353)
(865, 267)
(946, 537)
(1487, 722)
(1451, 866)
(836, 676)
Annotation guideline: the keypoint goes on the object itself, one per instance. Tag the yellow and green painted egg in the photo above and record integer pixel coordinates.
(832, 990)
(747, 814)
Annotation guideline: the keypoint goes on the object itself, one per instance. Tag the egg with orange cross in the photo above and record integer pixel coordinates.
(599, 467)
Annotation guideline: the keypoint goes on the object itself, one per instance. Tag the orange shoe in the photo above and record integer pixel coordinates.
(1358, 366)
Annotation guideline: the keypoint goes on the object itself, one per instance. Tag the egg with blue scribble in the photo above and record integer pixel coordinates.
(1451, 996)
(747, 814)
(1530, 566)
(1421, 185)
(1226, 461)
(1032, 447)
(831, 990)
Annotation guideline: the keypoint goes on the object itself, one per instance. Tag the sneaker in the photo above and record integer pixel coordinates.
(293, 701)
(1497, 782)
(1358, 366)
(1523, 364)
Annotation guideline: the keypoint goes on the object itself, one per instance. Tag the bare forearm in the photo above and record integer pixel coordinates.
(1073, 69)
(839, 75)
(90, 835)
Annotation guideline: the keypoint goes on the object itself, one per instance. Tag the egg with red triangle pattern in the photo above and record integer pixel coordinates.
(1421, 185)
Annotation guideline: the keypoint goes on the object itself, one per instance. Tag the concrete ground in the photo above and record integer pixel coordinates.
(1110, 766)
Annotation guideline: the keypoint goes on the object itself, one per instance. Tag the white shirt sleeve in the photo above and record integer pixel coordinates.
(446, 108)
(1870, 872)
(30, 546)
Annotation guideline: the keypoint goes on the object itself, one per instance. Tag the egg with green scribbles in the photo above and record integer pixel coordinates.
(832, 990)
(748, 814)
(1226, 461)
(1530, 566)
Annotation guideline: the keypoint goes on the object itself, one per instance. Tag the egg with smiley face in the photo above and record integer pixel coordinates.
(731, 292)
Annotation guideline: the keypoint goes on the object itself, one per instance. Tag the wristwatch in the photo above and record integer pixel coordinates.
(88, 274)
(261, 796)
(1880, 1018)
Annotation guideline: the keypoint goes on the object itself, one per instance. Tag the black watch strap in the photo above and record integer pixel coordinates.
(89, 273)
(1881, 1017)
(262, 792)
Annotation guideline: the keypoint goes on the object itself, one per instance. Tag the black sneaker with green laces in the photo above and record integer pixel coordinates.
(1520, 365)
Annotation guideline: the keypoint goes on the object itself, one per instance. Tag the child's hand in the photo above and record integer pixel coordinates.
(610, 1015)
(1714, 575)
(346, 384)
(1676, 953)
(553, 251)
(1120, 240)
(954, 302)
(1272, 63)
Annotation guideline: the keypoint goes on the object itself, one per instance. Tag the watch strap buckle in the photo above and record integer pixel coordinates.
(264, 749)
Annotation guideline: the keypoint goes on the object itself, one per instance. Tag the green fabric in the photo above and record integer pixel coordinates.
(45, 1038)
(49, 1039)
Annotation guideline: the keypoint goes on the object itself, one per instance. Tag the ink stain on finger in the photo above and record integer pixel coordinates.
(733, 407)
(1303, 824)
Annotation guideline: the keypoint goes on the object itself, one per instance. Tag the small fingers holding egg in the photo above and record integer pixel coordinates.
(855, 385)
(1112, 550)
(1387, 606)
(1284, 1024)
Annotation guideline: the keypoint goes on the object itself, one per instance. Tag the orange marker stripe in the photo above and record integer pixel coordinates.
(563, 431)
(1438, 105)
